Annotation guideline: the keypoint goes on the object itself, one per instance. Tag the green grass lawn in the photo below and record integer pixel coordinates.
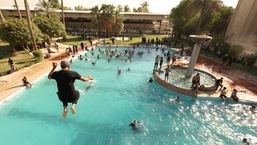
(72, 40)
(21, 58)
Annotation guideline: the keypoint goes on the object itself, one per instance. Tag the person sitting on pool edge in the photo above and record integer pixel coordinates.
(218, 83)
(26, 82)
(234, 95)
(196, 82)
(223, 93)
(65, 79)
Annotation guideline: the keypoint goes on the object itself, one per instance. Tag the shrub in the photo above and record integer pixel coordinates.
(235, 50)
(251, 59)
(38, 54)
(223, 48)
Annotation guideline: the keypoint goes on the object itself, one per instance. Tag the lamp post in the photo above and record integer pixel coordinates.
(197, 39)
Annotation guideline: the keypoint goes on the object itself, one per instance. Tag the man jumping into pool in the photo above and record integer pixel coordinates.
(65, 83)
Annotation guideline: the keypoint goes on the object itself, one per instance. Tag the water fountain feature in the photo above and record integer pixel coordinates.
(198, 40)
(180, 77)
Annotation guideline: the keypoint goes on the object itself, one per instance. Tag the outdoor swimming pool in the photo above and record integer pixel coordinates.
(33, 117)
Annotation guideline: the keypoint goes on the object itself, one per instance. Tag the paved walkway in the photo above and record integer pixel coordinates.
(246, 84)
(10, 84)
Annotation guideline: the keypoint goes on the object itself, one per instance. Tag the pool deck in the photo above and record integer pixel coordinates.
(10, 84)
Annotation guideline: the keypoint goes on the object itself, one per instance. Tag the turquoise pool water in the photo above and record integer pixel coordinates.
(33, 116)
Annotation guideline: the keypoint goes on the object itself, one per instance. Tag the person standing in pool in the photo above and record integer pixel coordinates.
(196, 82)
(167, 73)
(65, 79)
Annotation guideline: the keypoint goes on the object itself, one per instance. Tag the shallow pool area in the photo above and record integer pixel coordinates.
(178, 78)
(104, 111)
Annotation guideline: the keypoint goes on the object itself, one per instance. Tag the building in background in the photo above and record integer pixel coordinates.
(80, 21)
(242, 28)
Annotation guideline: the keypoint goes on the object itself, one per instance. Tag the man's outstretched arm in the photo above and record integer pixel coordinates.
(52, 71)
(85, 79)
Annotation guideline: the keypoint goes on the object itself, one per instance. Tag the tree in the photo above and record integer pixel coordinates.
(81, 8)
(197, 16)
(33, 39)
(235, 50)
(143, 8)
(221, 21)
(16, 33)
(126, 8)
(107, 17)
(118, 23)
(55, 3)
(50, 26)
(63, 17)
(67, 8)
(183, 22)
(119, 8)
(17, 8)
(1, 16)
(96, 21)
(205, 10)
(45, 8)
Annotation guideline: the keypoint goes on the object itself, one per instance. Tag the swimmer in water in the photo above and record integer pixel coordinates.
(93, 62)
(252, 109)
(150, 80)
(91, 83)
(119, 71)
(134, 125)
(173, 100)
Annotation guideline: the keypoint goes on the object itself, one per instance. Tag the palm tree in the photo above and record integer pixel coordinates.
(126, 8)
(96, 21)
(17, 7)
(118, 23)
(1, 15)
(45, 8)
(30, 25)
(145, 6)
(107, 17)
(55, 4)
(63, 18)
(119, 8)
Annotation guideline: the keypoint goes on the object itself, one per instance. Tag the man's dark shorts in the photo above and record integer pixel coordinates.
(69, 99)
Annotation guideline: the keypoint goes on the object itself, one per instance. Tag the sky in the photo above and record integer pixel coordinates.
(155, 6)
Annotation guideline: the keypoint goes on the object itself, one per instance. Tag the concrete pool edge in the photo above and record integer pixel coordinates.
(23, 88)
(190, 93)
